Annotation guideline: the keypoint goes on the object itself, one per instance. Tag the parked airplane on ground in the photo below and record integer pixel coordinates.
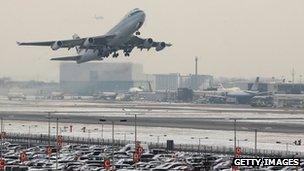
(120, 37)
(249, 93)
(232, 95)
(236, 91)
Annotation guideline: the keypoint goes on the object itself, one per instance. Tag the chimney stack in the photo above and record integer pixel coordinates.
(196, 59)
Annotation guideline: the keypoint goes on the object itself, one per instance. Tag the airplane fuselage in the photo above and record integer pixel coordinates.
(122, 31)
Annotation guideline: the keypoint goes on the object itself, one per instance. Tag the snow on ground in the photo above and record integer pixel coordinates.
(180, 136)
(150, 134)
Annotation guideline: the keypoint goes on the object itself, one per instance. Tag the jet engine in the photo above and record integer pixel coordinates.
(148, 43)
(104, 52)
(160, 46)
(56, 45)
(88, 42)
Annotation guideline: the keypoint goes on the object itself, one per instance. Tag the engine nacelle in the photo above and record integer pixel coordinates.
(160, 46)
(56, 45)
(148, 43)
(88, 42)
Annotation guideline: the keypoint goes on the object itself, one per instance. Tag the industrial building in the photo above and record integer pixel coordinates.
(166, 81)
(90, 78)
(175, 80)
(196, 82)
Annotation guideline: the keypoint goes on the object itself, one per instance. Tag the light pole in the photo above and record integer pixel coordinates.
(199, 142)
(49, 126)
(158, 136)
(125, 138)
(2, 125)
(255, 142)
(301, 83)
(57, 143)
(49, 129)
(113, 139)
(234, 125)
(29, 133)
(102, 131)
(287, 144)
(256, 137)
(244, 140)
(124, 134)
(101, 120)
(89, 133)
(2, 130)
(135, 123)
(57, 133)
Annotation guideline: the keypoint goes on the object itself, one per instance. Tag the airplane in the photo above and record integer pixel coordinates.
(237, 92)
(98, 17)
(120, 37)
(253, 91)
(222, 89)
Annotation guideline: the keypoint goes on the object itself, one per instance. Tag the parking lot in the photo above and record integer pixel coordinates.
(92, 157)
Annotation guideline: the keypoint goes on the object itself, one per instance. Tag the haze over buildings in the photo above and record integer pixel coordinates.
(255, 37)
(120, 77)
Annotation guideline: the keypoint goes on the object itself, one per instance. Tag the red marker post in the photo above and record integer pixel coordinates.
(140, 150)
(136, 157)
(3, 135)
(238, 151)
(59, 140)
(48, 151)
(23, 157)
(2, 164)
(107, 164)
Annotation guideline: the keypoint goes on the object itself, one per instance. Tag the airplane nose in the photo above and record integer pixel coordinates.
(143, 16)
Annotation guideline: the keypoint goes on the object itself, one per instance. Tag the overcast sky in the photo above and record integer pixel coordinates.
(234, 38)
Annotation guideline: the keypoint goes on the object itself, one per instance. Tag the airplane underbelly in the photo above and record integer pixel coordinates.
(88, 56)
(119, 40)
(124, 34)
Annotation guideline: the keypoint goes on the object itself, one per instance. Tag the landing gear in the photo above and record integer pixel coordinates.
(127, 54)
(137, 33)
(115, 55)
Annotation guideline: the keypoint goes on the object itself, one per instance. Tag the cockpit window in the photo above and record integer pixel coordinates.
(133, 12)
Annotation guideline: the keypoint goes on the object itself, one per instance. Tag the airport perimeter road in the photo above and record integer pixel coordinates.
(209, 117)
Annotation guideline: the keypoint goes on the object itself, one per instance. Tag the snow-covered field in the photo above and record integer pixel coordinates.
(152, 134)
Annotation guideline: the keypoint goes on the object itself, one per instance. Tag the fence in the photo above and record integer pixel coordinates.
(45, 139)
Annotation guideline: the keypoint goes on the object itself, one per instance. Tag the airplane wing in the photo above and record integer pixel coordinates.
(68, 58)
(95, 41)
(147, 43)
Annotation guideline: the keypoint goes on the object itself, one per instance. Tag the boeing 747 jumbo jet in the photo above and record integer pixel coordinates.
(120, 37)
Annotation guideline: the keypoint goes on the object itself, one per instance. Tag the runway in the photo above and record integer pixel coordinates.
(209, 117)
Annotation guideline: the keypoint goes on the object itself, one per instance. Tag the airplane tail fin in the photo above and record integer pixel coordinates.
(75, 37)
(150, 86)
(220, 86)
(255, 86)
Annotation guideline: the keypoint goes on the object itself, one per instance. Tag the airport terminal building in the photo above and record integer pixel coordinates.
(90, 78)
